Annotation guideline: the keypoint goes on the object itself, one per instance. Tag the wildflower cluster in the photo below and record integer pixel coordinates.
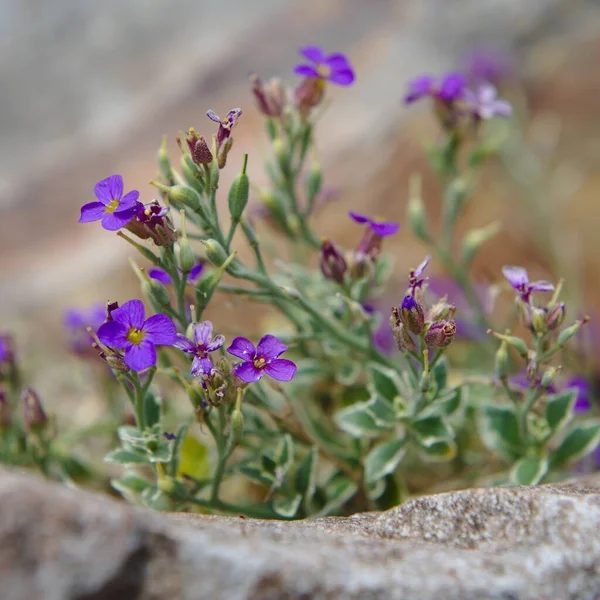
(349, 395)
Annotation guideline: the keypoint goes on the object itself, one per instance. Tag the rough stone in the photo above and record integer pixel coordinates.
(538, 543)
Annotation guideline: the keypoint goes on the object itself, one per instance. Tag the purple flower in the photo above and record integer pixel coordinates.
(202, 345)
(3, 349)
(449, 88)
(137, 336)
(414, 276)
(165, 278)
(335, 67)
(77, 320)
(226, 124)
(114, 209)
(378, 227)
(7, 349)
(262, 359)
(519, 280)
(583, 402)
(484, 103)
(151, 221)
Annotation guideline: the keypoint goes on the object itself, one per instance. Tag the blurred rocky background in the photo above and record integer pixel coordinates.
(88, 89)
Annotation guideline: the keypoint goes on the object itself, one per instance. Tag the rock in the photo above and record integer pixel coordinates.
(506, 543)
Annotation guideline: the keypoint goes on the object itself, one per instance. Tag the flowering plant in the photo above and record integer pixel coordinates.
(320, 415)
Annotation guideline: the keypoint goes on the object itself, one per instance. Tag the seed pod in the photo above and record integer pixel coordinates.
(239, 193)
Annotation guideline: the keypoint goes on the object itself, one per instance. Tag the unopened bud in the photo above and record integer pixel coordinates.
(237, 419)
(524, 311)
(412, 314)
(309, 94)
(539, 320)
(566, 334)
(164, 163)
(34, 415)
(556, 316)
(441, 311)
(224, 152)
(239, 193)
(440, 334)
(180, 195)
(187, 260)
(281, 150)
(501, 361)
(215, 252)
(270, 97)
(199, 150)
(333, 264)
(314, 181)
(517, 343)
(549, 376)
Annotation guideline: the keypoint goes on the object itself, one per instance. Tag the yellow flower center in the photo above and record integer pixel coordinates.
(135, 336)
(324, 71)
(148, 212)
(110, 209)
(259, 363)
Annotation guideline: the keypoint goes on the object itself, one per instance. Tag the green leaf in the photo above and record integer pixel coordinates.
(162, 453)
(447, 404)
(348, 373)
(577, 443)
(559, 409)
(442, 451)
(339, 489)
(440, 374)
(383, 459)
(530, 470)
(285, 454)
(151, 409)
(130, 485)
(383, 412)
(193, 459)
(287, 506)
(500, 431)
(76, 469)
(258, 475)
(121, 456)
(431, 430)
(358, 421)
(383, 382)
(306, 476)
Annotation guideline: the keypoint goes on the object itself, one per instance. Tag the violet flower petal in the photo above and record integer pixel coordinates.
(247, 372)
(92, 211)
(131, 314)
(342, 77)
(195, 272)
(306, 71)
(270, 347)
(452, 86)
(359, 218)
(116, 220)
(216, 343)
(184, 344)
(419, 88)
(516, 276)
(422, 266)
(201, 365)
(109, 189)
(203, 332)
(140, 356)
(312, 53)
(160, 275)
(385, 229)
(160, 329)
(281, 369)
(541, 286)
(128, 201)
(502, 108)
(242, 348)
(213, 116)
(113, 334)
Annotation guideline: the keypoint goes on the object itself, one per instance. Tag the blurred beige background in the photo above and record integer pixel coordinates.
(88, 89)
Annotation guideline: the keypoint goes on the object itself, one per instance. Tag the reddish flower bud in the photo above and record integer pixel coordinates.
(556, 316)
(270, 97)
(333, 264)
(201, 154)
(309, 94)
(440, 334)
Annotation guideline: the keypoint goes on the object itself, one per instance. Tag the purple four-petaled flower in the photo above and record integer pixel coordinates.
(203, 344)
(226, 124)
(137, 336)
(519, 280)
(449, 88)
(484, 103)
(114, 209)
(378, 227)
(262, 359)
(414, 275)
(334, 67)
(165, 278)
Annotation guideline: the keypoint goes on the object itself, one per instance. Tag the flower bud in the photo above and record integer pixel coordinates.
(412, 315)
(282, 155)
(270, 97)
(440, 334)
(309, 94)
(501, 361)
(517, 343)
(539, 323)
(180, 195)
(402, 338)
(187, 260)
(566, 334)
(34, 415)
(333, 264)
(215, 252)
(239, 192)
(314, 181)
(556, 316)
(224, 152)
(549, 376)
(237, 419)
(164, 163)
(5, 411)
(199, 150)
(524, 312)
(441, 311)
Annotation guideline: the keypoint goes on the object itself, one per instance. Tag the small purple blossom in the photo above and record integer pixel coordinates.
(137, 336)
(226, 124)
(203, 344)
(484, 104)
(414, 275)
(449, 88)
(519, 280)
(262, 359)
(77, 320)
(165, 278)
(583, 401)
(378, 227)
(335, 67)
(4, 351)
(112, 208)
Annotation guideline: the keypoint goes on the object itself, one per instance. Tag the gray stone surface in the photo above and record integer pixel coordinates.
(518, 543)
